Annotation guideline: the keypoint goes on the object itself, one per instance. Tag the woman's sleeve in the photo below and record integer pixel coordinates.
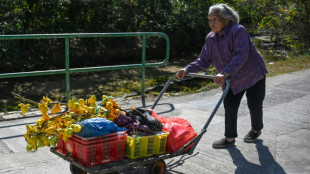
(241, 41)
(200, 63)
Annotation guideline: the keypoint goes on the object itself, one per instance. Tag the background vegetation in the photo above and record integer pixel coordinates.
(286, 22)
(279, 29)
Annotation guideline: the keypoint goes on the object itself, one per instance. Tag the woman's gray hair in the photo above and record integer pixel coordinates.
(225, 12)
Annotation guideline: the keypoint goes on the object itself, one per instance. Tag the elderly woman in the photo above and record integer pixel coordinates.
(230, 50)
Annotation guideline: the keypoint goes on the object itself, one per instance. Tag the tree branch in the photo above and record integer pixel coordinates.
(31, 101)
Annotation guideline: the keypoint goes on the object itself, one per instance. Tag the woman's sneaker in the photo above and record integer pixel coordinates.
(223, 143)
(251, 136)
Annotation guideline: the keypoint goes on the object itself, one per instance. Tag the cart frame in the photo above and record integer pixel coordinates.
(127, 163)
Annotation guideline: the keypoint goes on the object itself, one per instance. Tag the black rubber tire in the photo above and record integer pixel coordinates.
(157, 167)
(76, 170)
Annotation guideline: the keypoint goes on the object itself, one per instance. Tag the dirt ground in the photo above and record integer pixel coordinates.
(82, 85)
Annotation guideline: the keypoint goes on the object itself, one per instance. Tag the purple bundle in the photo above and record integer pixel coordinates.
(122, 120)
(132, 127)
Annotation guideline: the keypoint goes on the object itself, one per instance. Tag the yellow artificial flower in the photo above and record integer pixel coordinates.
(92, 100)
(109, 106)
(70, 103)
(23, 108)
(47, 100)
(40, 121)
(43, 107)
(50, 130)
(45, 116)
(81, 101)
(56, 108)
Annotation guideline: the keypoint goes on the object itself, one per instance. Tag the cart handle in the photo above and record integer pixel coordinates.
(189, 74)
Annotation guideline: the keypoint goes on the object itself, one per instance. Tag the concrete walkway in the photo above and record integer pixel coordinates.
(282, 148)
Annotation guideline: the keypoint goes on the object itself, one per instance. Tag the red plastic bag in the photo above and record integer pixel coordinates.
(180, 132)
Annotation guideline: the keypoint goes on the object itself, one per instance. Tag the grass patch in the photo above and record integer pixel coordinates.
(288, 65)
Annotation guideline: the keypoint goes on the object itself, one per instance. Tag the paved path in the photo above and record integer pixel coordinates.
(282, 148)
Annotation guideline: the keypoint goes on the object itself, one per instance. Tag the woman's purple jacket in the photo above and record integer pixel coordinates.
(232, 52)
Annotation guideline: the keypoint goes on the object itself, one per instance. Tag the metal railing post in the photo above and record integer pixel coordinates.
(143, 68)
(67, 61)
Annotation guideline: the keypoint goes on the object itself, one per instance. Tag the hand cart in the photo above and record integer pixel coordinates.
(155, 163)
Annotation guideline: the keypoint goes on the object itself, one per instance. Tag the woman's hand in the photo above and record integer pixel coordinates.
(181, 73)
(219, 79)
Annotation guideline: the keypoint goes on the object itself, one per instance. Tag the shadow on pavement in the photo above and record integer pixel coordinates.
(178, 162)
(165, 108)
(268, 165)
(170, 106)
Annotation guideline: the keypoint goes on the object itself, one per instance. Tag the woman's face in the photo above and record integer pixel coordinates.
(217, 23)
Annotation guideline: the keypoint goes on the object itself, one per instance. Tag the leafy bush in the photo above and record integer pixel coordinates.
(184, 21)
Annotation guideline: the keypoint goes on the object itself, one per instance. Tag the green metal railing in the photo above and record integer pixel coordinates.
(69, 70)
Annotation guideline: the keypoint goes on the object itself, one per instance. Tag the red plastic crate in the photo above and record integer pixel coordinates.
(98, 150)
(104, 138)
(61, 146)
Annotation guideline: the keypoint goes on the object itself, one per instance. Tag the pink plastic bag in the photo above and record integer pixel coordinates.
(180, 132)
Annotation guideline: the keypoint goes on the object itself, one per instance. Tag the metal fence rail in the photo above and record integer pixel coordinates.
(69, 70)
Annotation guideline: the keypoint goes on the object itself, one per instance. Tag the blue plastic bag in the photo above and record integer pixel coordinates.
(95, 127)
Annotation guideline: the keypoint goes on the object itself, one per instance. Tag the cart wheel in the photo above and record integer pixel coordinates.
(76, 170)
(157, 167)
